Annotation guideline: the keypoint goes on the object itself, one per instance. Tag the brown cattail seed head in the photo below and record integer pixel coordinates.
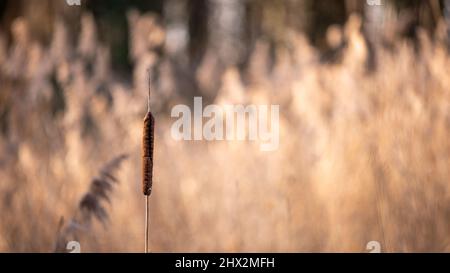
(147, 153)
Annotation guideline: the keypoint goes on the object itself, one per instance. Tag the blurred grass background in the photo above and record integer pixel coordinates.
(364, 95)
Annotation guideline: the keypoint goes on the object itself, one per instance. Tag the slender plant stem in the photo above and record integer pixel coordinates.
(147, 220)
(379, 196)
(149, 89)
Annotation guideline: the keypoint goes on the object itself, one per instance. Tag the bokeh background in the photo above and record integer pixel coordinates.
(364, 95)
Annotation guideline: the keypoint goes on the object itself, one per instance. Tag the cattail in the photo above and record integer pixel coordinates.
(147, 161)
(147, 153)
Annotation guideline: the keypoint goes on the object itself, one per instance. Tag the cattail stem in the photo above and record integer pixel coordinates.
(147, 223)
(148, 101)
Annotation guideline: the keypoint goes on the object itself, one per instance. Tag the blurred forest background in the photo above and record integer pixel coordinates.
(364, 95)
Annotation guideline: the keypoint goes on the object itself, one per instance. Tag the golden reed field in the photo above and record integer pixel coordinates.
(364, 151)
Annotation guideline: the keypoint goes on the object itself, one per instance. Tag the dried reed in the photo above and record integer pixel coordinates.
(91, 204)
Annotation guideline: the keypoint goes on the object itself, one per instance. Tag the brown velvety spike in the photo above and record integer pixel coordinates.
(147, 153)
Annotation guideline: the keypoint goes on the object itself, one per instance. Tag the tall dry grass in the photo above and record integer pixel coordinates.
(364, 153)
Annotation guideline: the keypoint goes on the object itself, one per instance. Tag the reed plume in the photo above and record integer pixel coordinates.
(91, 205)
